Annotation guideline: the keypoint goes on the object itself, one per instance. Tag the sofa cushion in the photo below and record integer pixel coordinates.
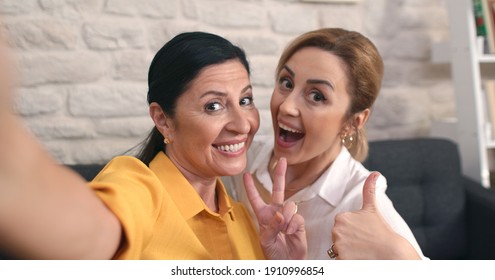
(425, 185)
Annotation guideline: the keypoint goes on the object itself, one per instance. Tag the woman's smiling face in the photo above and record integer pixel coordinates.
(309, 106)
(215, 122)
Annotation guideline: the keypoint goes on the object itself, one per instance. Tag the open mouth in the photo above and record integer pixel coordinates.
(288, 134)
(232, 148)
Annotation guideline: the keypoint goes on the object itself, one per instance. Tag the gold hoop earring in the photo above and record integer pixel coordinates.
(347, 141)
(166, 141)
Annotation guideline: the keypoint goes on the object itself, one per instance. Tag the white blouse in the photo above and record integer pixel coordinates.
(338, 189)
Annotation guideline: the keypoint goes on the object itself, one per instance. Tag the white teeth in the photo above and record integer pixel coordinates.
(284, 127)
(231, 148)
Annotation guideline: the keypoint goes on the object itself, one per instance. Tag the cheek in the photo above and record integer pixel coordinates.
(274, 99)
(255, 120)
(331, 129)
(321, 139)
(275, 102)
(256, 123)
(200, 134)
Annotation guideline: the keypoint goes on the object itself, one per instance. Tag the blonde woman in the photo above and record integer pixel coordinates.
(326, 83)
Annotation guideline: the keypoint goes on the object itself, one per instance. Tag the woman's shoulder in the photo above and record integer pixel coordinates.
(125, 165)
(126, 160)
(126, 172)
(359, 178)
(357, 175)
(127, 183)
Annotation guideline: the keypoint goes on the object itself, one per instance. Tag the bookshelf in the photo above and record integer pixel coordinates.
(470, 133)
(487, 58)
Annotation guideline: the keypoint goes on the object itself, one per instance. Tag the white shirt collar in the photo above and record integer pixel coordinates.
(330, 186)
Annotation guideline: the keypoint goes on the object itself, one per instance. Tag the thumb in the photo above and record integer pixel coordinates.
(369, 198)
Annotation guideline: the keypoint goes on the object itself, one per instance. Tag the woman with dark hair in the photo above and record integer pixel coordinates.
(327, 81)
(168, 203)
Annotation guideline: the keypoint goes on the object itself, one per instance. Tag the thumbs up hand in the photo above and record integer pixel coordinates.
(364, 234)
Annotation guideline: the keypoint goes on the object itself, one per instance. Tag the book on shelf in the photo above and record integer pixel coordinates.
(484, 16)
(489, 90)
(479, 18)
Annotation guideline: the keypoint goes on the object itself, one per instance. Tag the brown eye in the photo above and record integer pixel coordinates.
(316, 96)
(213, 107)
(246, 101)
(286, 83)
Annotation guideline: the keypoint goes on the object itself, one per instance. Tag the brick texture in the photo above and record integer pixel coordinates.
(84, 64)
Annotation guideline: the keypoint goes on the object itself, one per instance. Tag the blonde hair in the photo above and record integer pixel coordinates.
(364, 68)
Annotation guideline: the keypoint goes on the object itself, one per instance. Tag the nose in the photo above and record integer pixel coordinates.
(288, 104)
(240, 122)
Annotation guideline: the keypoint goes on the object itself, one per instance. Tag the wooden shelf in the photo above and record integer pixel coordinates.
(487, 58)
(490, 144)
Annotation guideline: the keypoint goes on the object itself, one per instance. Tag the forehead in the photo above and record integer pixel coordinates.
(229, 79)
(312, 61)
(227, 74)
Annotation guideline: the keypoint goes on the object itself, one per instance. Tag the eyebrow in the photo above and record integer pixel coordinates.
(325, 82)
(310, 81)
(291, 72)
(248, 87)
(223, 94)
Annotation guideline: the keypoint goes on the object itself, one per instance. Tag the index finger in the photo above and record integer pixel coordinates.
(252, 193)
(278, 191)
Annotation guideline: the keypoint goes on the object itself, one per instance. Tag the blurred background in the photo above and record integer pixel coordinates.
(84, 64)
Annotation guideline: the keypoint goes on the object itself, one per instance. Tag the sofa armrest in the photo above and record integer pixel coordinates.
(480, 207)
(88, 171)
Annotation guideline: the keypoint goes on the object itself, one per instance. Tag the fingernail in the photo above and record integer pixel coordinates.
(274, 165)
(375, 177)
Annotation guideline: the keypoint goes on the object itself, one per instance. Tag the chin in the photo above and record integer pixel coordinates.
(233, 169)
(280, 152)
(291, 157)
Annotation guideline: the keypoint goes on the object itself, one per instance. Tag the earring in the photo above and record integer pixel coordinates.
(347, 141)
(166, 140)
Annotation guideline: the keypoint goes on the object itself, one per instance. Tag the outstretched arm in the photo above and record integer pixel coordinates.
(46, 210)
(282, 232)
(364, 234)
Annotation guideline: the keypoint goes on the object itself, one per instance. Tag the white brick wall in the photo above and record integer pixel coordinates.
(84, 63)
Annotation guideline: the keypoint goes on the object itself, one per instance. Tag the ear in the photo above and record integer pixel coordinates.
(162, 121)
(360, 119)
(355, 123)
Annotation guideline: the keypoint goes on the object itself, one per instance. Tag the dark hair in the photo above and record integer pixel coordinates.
(173, 69)
(364, 67)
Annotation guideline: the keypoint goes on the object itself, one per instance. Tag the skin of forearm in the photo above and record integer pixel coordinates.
(46, 210)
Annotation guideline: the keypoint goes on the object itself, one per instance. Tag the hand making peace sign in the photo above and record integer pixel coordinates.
(282, 232)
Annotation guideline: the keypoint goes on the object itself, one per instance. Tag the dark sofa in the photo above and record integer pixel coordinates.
(451, 216)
